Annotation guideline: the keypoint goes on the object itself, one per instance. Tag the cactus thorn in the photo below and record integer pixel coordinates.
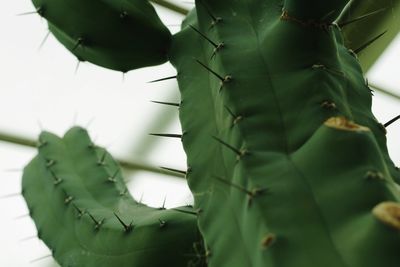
(163, 205)
(123, 14)
(10, 195)
(68, 199)
(50, 162)
(392, 121)
(41, 258)
(167, 135)
(167, 103)
(101, 161)
(204, 36)
(123, 192)
(162, 223)
(348, 22)
(164, 79)
(225, 79)
(79, 42)
(374, 175)
(240, 152)
(97, 223)
(174, 170)
(328, 104)
(368, 43)
(46, 37)
(80, 211)
(112, 178)
(127, 227)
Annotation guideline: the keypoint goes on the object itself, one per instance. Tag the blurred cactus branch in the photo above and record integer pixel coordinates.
(127, 165)
(171, 6)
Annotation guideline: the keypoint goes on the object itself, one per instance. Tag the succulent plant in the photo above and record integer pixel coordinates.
(286, 162)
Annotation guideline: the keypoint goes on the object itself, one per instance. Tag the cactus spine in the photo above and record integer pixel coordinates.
(287, 163)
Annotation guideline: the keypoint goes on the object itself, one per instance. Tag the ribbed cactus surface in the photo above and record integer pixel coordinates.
(85, 214)
(287, 164)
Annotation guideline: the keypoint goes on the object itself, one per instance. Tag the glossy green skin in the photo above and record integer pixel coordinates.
(70, 180)
(273, 185)
(116, 34)
(316, 207)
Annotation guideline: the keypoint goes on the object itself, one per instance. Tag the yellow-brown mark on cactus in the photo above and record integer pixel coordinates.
(341, 123)
(268, 240)
(388, 213)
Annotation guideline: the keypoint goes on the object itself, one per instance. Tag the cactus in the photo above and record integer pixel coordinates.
(84, 212)
(287, 163)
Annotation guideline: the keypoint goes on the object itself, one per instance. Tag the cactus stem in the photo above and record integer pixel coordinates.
(164, 79)
(80, 211)
(392, 121)
(167, 135)
(127, 227)
(348, 22)
(239, 153)
(361, 48)
(97, 223)
(167, 103)
(174, 170)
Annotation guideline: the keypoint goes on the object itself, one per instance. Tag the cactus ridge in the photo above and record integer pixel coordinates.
(85, 214)
(120, 35)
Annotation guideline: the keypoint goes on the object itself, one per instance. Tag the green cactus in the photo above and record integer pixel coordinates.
(84, 212)
(287, 164)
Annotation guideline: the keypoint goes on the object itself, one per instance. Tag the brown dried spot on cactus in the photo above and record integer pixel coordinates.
(268, 240)
(341, 123)
(388, 213)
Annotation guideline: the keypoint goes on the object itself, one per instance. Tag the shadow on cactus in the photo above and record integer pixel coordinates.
(287, 164)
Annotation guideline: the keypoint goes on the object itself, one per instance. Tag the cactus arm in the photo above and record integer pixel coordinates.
(284, 75)
(119, 35)
(85, 215)
(382, 18)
